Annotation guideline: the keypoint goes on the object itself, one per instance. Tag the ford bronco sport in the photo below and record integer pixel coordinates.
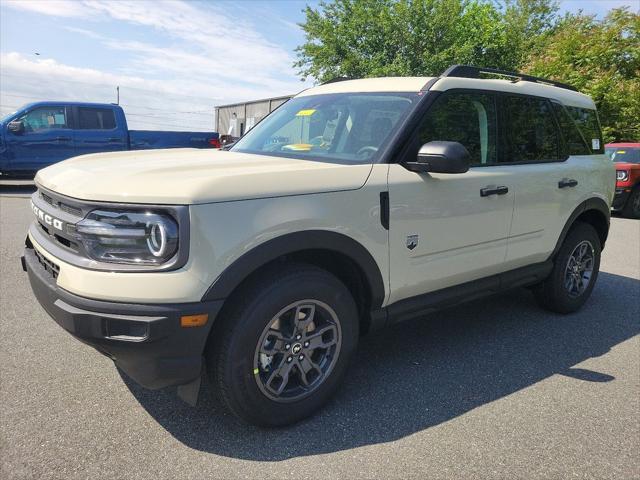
(354, 205)
(626, 157)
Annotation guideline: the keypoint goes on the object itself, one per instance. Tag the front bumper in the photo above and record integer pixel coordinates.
(620, 198)
(145, 341)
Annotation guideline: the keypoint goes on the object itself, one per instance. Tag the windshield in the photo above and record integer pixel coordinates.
(624, 154)
(345, 127)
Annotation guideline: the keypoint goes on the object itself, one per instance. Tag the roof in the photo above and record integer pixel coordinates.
(249, 102)
(623, 145)
(382, 84)
(67, 103)
(416, 84)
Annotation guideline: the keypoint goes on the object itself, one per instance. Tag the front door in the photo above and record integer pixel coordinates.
(46, 138)
(448, 229)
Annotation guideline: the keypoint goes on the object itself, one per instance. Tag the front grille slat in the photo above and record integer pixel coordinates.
(65, 237)
(48, 265)
(61, 205)
(69, 209)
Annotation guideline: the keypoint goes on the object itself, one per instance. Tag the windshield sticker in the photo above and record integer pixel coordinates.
(306, 113)
(622, 151)
(595, 143)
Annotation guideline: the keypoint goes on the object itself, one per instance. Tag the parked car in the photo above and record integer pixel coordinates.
(41, 134)
(627, 160)
(353, 206)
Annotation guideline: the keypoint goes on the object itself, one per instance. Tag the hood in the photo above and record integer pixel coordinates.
(191, 176)
(626, 166)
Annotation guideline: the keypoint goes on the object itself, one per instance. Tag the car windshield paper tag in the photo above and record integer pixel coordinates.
(595, 143)
(305, 113)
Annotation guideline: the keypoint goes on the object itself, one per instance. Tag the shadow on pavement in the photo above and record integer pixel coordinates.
(421, 373)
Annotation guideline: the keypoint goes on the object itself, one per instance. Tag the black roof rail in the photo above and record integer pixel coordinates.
(467, 71)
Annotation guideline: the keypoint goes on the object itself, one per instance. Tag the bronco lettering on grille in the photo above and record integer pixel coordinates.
(47, 219)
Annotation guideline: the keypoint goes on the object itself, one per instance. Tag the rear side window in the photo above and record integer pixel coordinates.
(96, 119)
(589, 125)
(531, 132)
(466, 118)
(575, 143)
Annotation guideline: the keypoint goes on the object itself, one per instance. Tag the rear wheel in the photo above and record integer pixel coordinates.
(574, 272)
(632, 207)
(284, 345)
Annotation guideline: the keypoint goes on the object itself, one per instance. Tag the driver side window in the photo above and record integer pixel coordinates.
(39, 120)
(464, 117)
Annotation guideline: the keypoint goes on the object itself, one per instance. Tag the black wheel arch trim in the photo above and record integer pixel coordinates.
(292, 243)
(593, 203)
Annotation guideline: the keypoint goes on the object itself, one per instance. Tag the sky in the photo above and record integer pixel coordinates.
(173, 60)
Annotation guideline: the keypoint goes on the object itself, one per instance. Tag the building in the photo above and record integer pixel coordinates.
(234, 119)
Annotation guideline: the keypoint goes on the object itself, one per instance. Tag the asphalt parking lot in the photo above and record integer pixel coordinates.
(495, 388)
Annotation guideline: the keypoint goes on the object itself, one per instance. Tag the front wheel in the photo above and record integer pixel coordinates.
(632, 207)
(574, 273)
(284, 345)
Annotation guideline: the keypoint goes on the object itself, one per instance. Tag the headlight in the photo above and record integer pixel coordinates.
(622, 175)
(135, 238)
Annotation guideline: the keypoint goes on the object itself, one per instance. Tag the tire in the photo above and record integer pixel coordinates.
(247, 379)
(557, 292)
(632, 207)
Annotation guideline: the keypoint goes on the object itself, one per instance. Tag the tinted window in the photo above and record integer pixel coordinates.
(44, 118)
(466, 118)
(531, 132)
(96, 119)
(589, 125)
(575, 143)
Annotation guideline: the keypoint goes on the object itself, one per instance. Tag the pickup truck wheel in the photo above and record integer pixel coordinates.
(284, 345)
(632, 207)
(574, 272)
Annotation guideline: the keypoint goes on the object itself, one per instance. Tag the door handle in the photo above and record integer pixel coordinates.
(114, 140)
(491, 190)
(567, 182)
(63, 139)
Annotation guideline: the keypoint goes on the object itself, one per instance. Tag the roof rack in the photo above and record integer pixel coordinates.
(467, 71)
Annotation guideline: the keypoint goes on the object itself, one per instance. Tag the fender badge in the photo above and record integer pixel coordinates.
(412, 241)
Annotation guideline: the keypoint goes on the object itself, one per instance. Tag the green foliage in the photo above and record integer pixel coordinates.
(363, 38)
(601, 59)
(373, 38)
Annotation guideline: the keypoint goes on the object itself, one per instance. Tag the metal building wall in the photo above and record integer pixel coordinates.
(246, 115)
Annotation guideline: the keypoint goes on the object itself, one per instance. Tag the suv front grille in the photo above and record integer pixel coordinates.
(61, 205)
(48, 265)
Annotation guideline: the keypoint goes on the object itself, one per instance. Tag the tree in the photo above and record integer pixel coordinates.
(601, 59)
(364, 38)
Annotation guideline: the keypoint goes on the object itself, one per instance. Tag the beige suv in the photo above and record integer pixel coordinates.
(354, 205)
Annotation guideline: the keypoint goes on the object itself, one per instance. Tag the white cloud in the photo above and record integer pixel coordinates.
(214, 59)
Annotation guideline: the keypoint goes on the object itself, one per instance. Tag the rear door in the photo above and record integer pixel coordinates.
(545, 179)
(97, 131)
(45, 139)
(448, 229)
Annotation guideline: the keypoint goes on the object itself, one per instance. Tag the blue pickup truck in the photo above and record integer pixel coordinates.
(43, 133)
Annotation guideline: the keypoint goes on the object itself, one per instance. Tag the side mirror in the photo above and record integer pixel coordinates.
(440, 157)
(16, 126)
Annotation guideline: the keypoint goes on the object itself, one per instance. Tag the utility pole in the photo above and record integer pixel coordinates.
(118, 95)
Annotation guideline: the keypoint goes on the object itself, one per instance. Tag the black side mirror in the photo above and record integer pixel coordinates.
(440, 157)
(16, 126)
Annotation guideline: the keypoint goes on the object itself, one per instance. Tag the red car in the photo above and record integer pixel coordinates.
(627, 159)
